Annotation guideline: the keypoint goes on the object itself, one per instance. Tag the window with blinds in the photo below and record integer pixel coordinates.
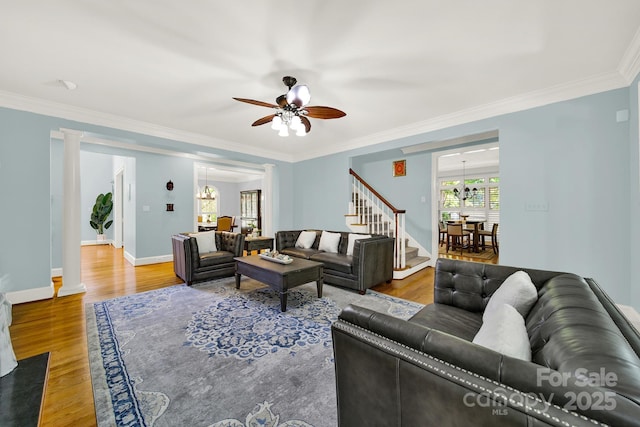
(483, 199)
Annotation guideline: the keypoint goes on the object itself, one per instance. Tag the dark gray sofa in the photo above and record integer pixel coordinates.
(192, 266)
(427, 372)
(370, 264)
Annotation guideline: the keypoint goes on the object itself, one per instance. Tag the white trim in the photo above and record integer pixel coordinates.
(172, 153)
(561, 92)
(96, 242)
(66, 291)
(629, 66)
(435, 204)
(466, 139)
(403, 274)
(56, 272)
(28, 295)
(130, 258)
(148, 260)
(56, 109)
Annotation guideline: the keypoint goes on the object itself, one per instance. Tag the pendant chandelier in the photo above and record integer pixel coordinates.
(207, 192)
(466, 192)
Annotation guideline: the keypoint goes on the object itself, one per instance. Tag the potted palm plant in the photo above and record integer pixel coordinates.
(101, 211)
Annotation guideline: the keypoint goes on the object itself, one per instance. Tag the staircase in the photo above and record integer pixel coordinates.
(371, 213)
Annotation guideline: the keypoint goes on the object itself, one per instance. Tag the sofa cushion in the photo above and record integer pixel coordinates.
(336, 262)
(306, 239)
(210, 259)
(298, 252)
(503, 331)
(518, 291)
(352, 240)
(449, 319)
(329, 242)
(206, 241)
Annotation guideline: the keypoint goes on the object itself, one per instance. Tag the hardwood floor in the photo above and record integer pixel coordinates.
(58, 325)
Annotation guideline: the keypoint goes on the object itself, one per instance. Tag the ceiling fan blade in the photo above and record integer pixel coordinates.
(263, 120)
(307, 123)
(319, 112)
(254, 102)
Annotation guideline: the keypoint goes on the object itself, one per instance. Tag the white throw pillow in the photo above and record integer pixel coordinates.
(329, 242)
(504, 331)
(306, 239)
(352, 241)
(206, 241)
(518, 291)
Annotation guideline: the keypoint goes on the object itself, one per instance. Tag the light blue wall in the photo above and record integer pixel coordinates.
(321, 192)
(25, 158)
(572, 155)
(403, 192)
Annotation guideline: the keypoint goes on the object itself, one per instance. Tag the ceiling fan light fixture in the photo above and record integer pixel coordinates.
(276, 123)
(301, 131)
(299, 95)
(284, 131)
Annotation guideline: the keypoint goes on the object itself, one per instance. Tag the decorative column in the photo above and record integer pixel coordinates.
(71, 283)
(267, 206)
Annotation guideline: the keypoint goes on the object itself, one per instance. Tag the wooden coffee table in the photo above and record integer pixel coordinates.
(280, 277)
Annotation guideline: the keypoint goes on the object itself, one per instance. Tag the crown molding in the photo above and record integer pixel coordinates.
(629, 66)
(64, 111)
(538, 98)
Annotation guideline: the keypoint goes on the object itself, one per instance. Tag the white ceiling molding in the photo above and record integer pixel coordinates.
(466, 139)
(231, 164)
(65, 111)
(629, 66)
(562, 92)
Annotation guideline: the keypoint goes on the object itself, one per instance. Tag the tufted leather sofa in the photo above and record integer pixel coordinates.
(371, 263)
(191, 266)
(585, 369)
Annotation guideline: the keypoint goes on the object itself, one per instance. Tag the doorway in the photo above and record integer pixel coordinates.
(466, 185)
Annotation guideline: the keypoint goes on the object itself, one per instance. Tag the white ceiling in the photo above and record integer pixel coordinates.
(170, 68)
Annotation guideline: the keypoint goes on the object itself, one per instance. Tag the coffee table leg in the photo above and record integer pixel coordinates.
(238, 280)
(319, 287)
(283, 301)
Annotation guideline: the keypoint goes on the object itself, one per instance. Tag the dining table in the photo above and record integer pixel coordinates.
(478, 224)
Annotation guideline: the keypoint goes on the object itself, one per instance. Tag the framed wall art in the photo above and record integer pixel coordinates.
(399, 168)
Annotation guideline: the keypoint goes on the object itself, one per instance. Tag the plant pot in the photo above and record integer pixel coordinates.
(101, 238)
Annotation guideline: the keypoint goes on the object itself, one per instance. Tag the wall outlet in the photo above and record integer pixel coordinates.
(146, 208)
(536, 206)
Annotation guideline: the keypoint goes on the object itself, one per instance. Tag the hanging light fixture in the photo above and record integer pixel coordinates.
(466, 192)
(207, 192)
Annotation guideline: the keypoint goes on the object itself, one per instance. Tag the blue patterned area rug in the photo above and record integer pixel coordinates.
(211, 355)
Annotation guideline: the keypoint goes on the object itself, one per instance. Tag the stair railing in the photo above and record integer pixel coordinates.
(378, 216)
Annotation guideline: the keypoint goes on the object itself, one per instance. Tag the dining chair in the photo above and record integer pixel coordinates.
(455, 237)
(442, 228)
(224, 223)
(493, 234)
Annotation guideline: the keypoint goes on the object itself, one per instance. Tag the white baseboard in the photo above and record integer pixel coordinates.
(96, 242)
(28, 295)
(146, 261)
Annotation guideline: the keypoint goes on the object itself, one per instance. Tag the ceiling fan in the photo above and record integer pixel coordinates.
(292, 111)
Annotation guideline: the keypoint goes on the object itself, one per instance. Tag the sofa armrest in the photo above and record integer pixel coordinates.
(182, 257)
(424, 376)
(373, 260)
(230, 242)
